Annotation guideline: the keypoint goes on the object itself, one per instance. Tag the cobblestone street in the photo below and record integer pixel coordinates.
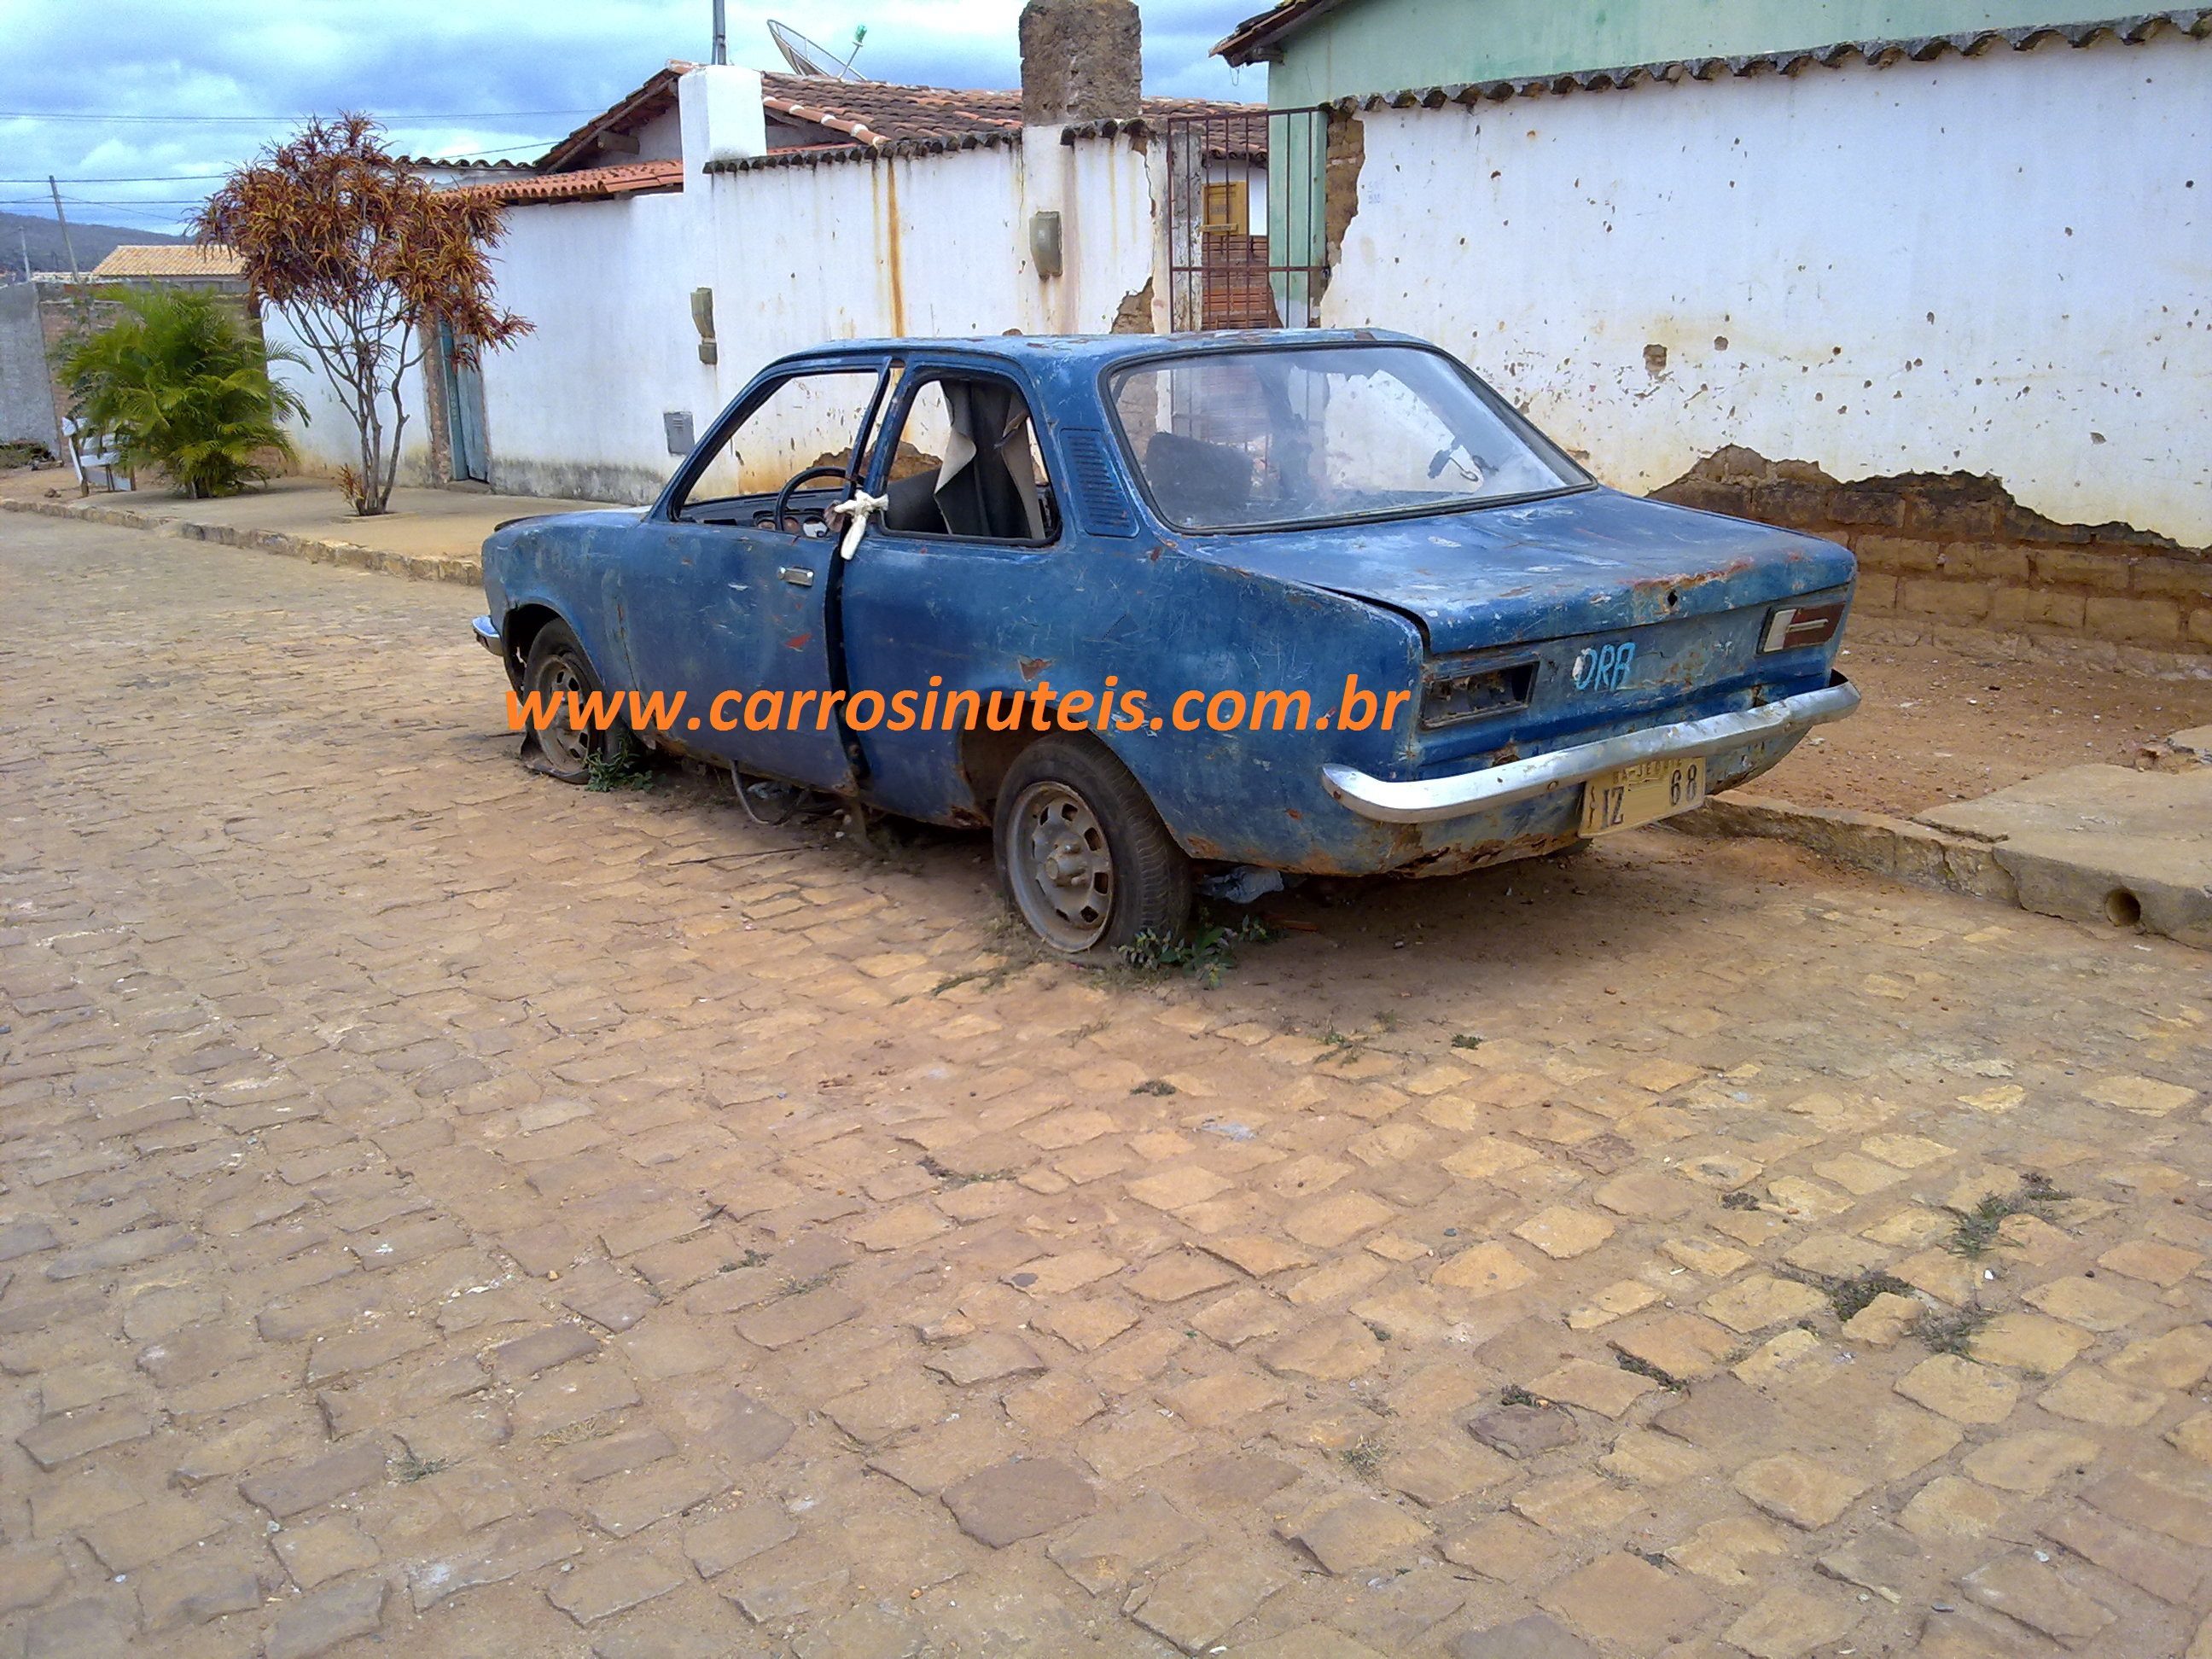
(451, 1213)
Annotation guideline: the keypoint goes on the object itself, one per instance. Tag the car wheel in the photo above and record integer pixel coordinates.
(1081, 853)
(555, 666)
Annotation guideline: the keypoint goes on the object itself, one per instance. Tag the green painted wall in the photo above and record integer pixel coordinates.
(1382, 46)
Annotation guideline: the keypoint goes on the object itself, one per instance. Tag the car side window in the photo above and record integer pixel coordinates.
(966, 465)
(805, 423)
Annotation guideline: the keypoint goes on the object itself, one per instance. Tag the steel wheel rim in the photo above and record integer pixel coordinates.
(1062, 866)
(569, 746)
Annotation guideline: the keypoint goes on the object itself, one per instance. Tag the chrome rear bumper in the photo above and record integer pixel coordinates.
(1426, 801)
(487, 635)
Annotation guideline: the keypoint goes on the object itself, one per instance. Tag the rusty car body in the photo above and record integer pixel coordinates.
(1317, 512)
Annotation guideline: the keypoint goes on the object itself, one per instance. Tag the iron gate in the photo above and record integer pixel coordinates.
(1247, 218)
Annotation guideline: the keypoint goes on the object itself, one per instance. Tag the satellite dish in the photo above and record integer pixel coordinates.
(805, 57)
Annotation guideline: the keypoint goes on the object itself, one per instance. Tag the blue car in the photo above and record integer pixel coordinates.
(1164, 610)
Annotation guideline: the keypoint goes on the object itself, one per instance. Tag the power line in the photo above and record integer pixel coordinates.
(206, 178)
(209, 177)
(118, 178)
(432, 115)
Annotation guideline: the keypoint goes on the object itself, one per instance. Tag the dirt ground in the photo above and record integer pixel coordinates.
(1958, 718)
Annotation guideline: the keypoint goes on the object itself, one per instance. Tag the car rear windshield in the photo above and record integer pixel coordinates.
(1318, 435)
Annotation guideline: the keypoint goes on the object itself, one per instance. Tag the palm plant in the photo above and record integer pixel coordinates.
(180, 387)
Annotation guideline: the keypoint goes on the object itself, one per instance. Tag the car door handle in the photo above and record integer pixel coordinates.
(797, 574)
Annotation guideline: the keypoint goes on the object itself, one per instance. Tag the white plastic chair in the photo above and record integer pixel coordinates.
(87, 457)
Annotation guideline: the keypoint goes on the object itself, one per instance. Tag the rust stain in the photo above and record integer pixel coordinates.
(1693, 579)
(1033, 666)
(797, 642)
(891, 250)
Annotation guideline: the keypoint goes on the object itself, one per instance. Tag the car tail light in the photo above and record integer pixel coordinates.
(1469, 694)
(1794, 627)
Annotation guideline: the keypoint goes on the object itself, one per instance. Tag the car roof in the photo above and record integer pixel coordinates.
(1102, 349)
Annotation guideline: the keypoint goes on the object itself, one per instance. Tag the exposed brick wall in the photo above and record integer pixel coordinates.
(1959, 549)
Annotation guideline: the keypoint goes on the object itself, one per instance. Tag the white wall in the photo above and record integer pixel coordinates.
(327, 440)
(660, 139)
(574, 408)
(796, 255)
(1992, 266)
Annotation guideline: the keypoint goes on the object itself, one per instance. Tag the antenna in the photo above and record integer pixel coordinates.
(806, 57)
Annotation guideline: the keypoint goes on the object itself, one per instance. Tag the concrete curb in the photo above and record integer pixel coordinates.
(423, 567)
(2020, 876)
(1862, 841)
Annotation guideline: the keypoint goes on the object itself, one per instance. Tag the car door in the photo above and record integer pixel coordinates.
(950, 587)
(734, 610)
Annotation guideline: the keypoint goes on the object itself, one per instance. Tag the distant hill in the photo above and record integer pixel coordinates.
(93, 243)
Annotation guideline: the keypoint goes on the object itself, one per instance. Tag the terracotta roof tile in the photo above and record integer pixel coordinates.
(626, 114)
(861, 119)
(853, 120)
(887, 111)
(462, 163)
(1253, 40)
(137, 259)
(2190, 24)
(588, 185)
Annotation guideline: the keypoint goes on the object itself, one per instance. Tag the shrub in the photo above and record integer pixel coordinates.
(181, 388)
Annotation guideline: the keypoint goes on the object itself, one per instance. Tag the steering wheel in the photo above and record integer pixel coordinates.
(783, 496)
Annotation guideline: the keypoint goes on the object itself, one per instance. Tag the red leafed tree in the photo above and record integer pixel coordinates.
(362, 258)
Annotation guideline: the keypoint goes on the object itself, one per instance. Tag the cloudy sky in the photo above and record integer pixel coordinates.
(139, 106)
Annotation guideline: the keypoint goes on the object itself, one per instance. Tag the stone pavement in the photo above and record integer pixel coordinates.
(449, 1213)
(434, 534)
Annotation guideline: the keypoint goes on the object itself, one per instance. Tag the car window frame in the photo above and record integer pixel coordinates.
(912, 374)
(1111, 373)
(675, 496)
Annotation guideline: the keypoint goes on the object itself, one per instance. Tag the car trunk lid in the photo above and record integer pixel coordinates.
(1589, 562)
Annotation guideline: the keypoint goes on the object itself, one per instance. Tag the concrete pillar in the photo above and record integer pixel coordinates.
(1082, 60)
(719, 108)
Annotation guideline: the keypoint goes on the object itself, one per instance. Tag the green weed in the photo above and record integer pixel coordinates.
(1364, 1459)
(1952, 1333)
(1850, 1297)
(1209, 952)
(619, 769)
(1976, 1234)
(964, 1177)
(1629, 1362)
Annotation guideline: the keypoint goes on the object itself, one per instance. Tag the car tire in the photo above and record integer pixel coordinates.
(1081, 853)
(557, 663)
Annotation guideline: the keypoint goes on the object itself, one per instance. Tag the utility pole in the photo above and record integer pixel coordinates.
(61, 219)
(721, 34)
(84, 321)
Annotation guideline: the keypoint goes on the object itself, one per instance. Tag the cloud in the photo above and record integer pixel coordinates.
(170, 94)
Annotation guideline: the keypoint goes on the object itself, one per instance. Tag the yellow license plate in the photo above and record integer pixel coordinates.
(1642, 794)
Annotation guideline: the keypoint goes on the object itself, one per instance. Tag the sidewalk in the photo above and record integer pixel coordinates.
(433, 534)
